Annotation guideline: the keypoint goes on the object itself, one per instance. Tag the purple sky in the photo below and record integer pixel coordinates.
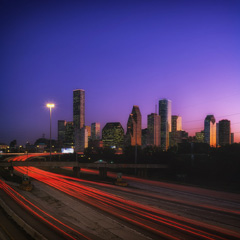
(123, 53)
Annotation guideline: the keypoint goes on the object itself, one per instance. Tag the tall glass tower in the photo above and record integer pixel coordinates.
(78, 108)
(210, 131)
(79, 120)
(165, 111)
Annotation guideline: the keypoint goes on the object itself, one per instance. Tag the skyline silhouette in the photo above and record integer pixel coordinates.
(122, 53)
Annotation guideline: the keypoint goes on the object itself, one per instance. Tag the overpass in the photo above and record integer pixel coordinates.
(77, 166)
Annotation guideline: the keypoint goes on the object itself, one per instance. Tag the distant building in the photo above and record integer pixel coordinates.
(154, 129)
(177, 137)
(95, 131)
(69, 135)
(95, 144)
(145, 137)
(89, 131)
(113, 135)
(232, 138)
(217, 134)
(210, 130)
(134, 127)
(165, 111)
(4, 148)
(61, 131)
(176, 123)
(224, 132)
(79, 120)
(81, 139)
(199, 137)
(84, 138)
(78, 108)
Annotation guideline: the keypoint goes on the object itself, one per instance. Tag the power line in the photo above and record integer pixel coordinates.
(216, 117)
(215, 100)
(228, 115)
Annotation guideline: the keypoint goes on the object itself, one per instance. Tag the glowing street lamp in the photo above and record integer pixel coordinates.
(50, 106)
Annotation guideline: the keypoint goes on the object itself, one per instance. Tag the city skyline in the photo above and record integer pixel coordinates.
(122, 54)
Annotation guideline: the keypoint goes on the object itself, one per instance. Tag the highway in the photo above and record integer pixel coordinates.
(157, 210)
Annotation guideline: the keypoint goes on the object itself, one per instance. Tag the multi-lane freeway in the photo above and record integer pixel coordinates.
(154, 209)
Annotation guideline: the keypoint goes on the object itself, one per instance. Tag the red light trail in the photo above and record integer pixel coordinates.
(155, 221)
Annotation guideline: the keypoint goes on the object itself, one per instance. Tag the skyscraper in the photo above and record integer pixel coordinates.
(145, 138)
(78, 108)
(61, 131)
(165, 112)
(113, 135)
(154, 129)
(79, 119)
(176, 135)
(210, 130)
(232, 138)
(217, 134)
(224, 132)
(176, 123)
(69, 135)
(95, 131)
(134, 127)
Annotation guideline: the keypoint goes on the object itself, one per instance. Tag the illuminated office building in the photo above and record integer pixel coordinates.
(89, 131)
(199, 136)
(165, 112)
(210, 130)
(154, 129)
(79, 119)
(224, 132)
(61, 131)
(78, 108)
(134, 127)
(69, 134)
(113, 135)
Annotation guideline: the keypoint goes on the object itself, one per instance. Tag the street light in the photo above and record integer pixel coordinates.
(50, 106)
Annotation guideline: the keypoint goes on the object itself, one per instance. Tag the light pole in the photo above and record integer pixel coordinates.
(50, 106)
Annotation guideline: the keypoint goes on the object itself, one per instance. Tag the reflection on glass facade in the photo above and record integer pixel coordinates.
(210, 131)
(165, 112)
(176, 123)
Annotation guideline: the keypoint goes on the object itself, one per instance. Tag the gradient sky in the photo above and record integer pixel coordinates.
(123, 53)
